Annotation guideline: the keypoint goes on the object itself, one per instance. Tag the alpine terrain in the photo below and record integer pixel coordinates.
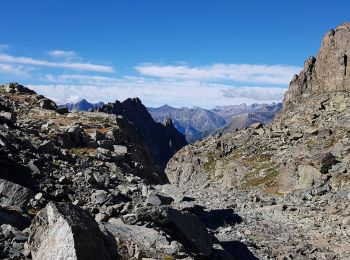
(113, 183)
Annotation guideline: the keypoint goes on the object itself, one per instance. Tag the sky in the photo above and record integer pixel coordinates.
(181, 53)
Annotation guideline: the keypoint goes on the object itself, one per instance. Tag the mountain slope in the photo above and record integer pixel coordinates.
(83, 186)
(290, 177)
(163, 141)
(244, 116)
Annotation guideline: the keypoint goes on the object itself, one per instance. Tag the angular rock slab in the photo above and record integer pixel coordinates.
(62, 231)
(148, 241)
(186, 228)
(12, 194)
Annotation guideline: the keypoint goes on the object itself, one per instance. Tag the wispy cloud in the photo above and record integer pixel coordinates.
(14, 69)
(4, 47)
(153, 92)
(178, 84)
(269, 74)
(63, 54)
(5, 58)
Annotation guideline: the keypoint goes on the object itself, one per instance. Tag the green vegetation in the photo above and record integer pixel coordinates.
(210, 163)
(82, 152)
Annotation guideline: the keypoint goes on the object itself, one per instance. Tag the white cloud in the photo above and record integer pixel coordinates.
(153, 92)
(63, 54)
(14, 70)
(66, 65)
(268, 74)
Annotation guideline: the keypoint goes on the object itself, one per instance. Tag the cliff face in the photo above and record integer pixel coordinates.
(330, 71)
(163, 141)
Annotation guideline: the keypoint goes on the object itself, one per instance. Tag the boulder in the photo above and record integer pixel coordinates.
(99, 197)
(46, 103)
(12, 194)
(327, 162)
(308, 176)
(256, 125)
(140, 240)
(120, 149)
(62, 110)
(181, 226)
(64, 231)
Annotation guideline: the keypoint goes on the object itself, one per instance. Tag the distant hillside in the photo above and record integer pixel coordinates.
(231, 112)
(82, 105)
(242, 115)
(195, 123)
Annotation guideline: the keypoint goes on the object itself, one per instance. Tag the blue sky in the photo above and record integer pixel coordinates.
(183, 52)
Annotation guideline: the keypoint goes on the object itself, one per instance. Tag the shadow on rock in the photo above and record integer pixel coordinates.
(216, 218)
(16, 173)
(237, 250)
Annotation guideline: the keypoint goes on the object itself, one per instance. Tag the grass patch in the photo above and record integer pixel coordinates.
(101, 130)
(82, 152)
(252, 180)
(209, 165)
(169, 257)
(258, 164)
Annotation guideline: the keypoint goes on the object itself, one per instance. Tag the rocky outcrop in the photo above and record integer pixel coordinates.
(326, 73)
(182, 226)
(64, 231)
(163, 141)
(12, 194)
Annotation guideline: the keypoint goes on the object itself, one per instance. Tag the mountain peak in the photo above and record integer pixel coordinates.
(329, 72)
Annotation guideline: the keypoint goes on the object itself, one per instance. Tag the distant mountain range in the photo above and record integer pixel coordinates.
(239, 116)
(197, 123)
(82, 105)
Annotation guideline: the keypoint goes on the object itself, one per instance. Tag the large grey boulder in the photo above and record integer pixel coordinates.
(140, 240)
(63, 231)
(184, 227)
(12, 194)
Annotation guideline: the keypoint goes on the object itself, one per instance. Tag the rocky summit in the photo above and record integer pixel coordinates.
(163, 140)
(91, 185)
